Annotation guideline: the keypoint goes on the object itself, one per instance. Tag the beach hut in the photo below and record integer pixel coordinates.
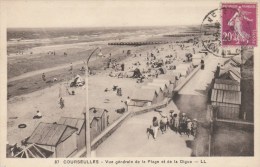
(167, 84)
(171, 78)
(34, 151)
(163, 86)
(98, 121)
(227, 103)
(182, 72)
(235, 61)
(226, 98)
(230, 73)
(165, 81)
(58, 138)
(224, 84)
(143, 97)
(79, 124)
(157, 89)
(175, 74)
(247, 53)
(184, 69)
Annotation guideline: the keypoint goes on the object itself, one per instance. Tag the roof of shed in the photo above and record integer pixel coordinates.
(73, 122)
(51, 134)
(224, 96)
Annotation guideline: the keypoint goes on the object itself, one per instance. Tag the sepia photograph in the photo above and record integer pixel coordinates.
(119, 79)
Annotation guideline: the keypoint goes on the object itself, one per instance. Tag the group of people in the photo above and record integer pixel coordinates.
(179, 123)
(184, 125)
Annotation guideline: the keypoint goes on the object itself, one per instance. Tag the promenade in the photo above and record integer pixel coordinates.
(130, 140)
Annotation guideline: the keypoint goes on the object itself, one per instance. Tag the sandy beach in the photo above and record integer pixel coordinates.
(37, 95)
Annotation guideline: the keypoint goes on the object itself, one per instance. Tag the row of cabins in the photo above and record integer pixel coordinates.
(151, 93)
(160, 88)
(65, 137)
(226, 93)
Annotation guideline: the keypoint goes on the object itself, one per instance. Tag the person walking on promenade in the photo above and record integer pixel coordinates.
(194, 127)
(155, 124)
(176, 122)
(202, 64)
(163, 122)
(189, 127)
(183, 124)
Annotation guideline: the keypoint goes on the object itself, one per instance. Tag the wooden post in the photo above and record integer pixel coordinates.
(87, 122)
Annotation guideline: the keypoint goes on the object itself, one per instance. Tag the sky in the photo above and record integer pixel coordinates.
(105, 13)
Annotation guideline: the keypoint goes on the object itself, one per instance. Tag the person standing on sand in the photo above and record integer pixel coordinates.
(62, 105)
(71, 67)
(43, 77)
(122, 67)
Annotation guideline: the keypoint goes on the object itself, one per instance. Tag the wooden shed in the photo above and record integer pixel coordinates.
(98, 121)
(58, 138)
(182, 72)
(157, 89)
(227, 103)
(185, 66)
(143, 97)
(163, 86)
(167, 84)
(171, 78)
(34, 151)
(175, 74)
(230, 73)
(79, 124)
(184, 69)
(235, 61)
(224, 84)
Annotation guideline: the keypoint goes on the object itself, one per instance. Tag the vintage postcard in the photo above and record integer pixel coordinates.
(129, 83)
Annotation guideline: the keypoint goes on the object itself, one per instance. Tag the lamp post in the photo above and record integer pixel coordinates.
(87, 115)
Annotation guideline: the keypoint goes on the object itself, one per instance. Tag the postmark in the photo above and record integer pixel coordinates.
(211, 32)
(238, 24)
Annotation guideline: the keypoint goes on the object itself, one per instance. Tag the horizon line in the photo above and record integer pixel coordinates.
(122, 26)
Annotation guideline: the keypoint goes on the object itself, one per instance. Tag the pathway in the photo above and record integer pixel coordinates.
(198, 84)
(130, 140)
(193, 100)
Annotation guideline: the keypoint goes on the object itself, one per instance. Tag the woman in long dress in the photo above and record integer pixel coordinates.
(155, 126)
(236, 21)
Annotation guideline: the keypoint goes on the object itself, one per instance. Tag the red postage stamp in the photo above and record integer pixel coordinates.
(239, 24)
